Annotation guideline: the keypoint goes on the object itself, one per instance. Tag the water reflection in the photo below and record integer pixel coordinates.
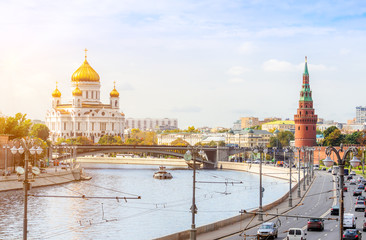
(163, 209)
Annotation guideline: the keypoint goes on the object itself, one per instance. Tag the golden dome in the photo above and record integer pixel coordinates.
(85, 73)
(56, 93)
(77, 91)
(114, 92)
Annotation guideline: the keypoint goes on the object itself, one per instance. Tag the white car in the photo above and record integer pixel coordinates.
(296, 234)
(352, 182)
(353, 173)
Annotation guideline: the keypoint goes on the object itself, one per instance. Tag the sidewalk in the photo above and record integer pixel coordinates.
(251, 221)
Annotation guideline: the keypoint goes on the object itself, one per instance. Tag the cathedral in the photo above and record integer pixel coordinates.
(85, 115)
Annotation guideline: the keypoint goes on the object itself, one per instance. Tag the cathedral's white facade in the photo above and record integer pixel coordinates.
(85, 115)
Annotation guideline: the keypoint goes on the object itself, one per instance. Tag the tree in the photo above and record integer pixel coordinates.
(334, 138)
(17, 126)
(40, 130)
(110, 140)
(354, 138)
(81, 140)
(329, 131)
(179, 142)
(282, 139)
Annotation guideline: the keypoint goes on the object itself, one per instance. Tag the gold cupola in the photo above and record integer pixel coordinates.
(56, 93)
(85, 73)
(77, 91)
(114, 92)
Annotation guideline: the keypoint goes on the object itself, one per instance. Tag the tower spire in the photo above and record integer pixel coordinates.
(306, 72)
(85, 53)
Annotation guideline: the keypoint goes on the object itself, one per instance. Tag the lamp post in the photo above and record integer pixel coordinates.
(298, 173)
(290, 166)
(260, 209)
(188, 156)
(328, 162)
(303, 162)
(6, 147)
(26, 147)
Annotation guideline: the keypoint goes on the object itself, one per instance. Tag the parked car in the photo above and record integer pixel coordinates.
(334, 210)
(329, 170)
(296, 234)
(353, 173)
(349, 221)
(324, 169)
(345, 188)
(316, 223)
(364, 225)
(360, 206)
(352, 234)
(316, 166)
(357, 192)
(352, 182)
(361, 186)
(349, 177)
(267, 229)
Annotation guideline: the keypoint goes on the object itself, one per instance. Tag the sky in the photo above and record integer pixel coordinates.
(206, 63)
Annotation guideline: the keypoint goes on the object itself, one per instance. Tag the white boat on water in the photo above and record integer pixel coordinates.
(162, 174)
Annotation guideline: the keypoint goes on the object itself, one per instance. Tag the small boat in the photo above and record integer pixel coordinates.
(162, 174)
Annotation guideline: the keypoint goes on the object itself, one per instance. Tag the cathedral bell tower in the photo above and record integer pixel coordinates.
(305, 119)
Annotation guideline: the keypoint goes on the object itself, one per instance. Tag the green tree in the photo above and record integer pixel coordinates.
(40, 130)
(17, 126)
(282, 139)
(334, 138)
(329, 131)
(133, 141)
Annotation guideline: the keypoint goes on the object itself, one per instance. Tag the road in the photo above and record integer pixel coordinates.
(317, 203)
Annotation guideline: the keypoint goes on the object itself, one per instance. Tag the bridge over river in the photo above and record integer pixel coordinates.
(214, 154)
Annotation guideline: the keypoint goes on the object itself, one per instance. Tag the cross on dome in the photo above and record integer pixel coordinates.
(85, 53)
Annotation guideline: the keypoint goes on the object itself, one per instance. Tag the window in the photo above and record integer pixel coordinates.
(298, 128)
(64, 125)
(78, 126)
(87, 94)
(92, 126)
(92, 93)
(103, 126)
(112, 126)
(306, 128)
(115, 103)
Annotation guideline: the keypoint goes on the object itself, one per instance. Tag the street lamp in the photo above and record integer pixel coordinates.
(6, 147)
(298, 172)
(26, 147)
(260, 209)
(290, 166)
(328, 162)
(188, 156)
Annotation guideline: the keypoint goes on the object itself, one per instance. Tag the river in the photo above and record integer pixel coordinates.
(163, 208)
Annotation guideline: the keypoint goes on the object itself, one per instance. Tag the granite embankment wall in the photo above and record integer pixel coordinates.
(88, 161)
(277, 172)
(8, 183)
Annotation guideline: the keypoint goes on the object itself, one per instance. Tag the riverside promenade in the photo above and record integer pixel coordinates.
(227, 227)
(52, 176)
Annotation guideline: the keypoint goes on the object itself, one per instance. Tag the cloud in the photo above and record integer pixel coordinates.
(344, 51)
(237, 70)
(247, 48)
(236, 80)
(274, 65)
(187, 109)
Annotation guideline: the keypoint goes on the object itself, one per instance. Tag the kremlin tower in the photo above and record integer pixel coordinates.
(305, 119)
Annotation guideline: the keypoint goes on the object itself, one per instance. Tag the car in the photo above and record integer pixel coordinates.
(316, 167)
(361, 186)
(334, 210)
(364, 213)
(362, 198)
(349, 221)
(353, 173)
(360, 179)
(296, 234)
(345, 189)
(315, 223)
(352, 234)
(349, 177)
(267, 229)
(352, 182)
(357, 192)
(324, 169)
(329, 170)
(364, 226)
(360, 206)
